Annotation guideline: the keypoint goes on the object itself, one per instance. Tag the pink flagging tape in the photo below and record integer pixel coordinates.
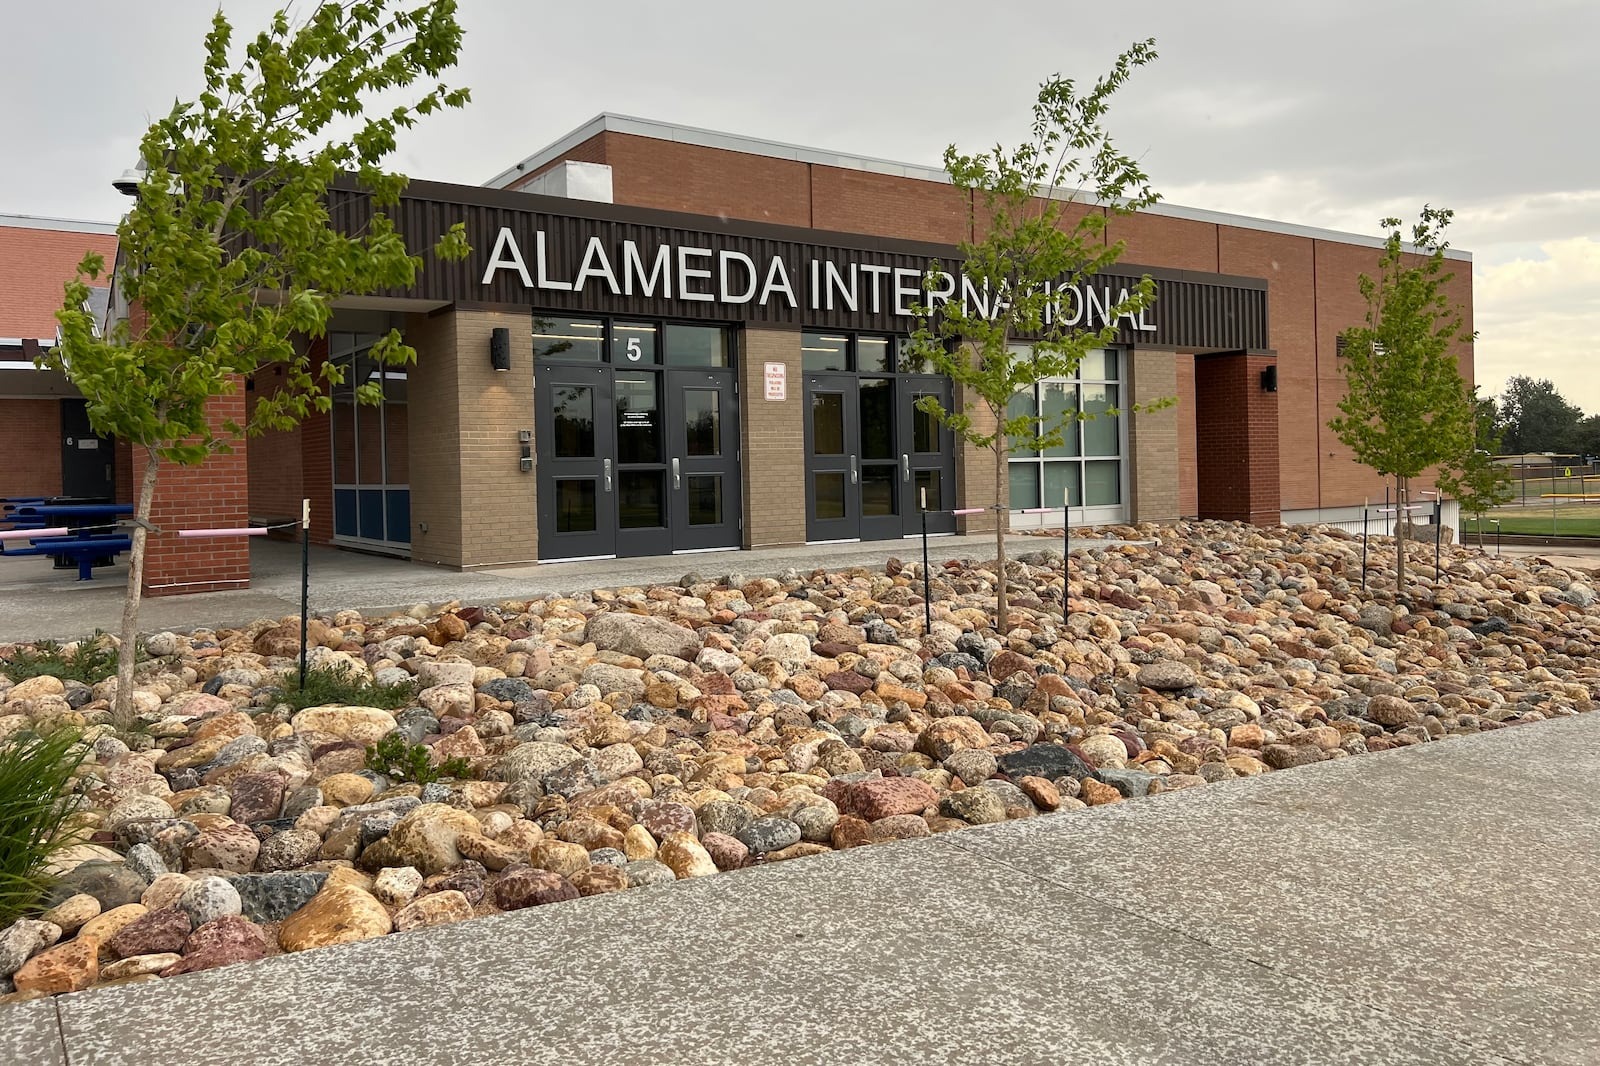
(248, 531)
(970, 510)
(29, 534)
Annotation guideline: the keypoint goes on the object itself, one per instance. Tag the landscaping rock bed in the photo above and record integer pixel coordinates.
(618, 740)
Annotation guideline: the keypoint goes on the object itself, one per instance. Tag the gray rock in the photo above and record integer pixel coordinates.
(642, 873)
(288, 850)
(816, 822)
(536, 761)
(1167, 676)
(641, 635)
(23, 940)
(762, 835)
(723, 816)
(112, 883)
(972, 765)
(977, 806)
(1048, 761)
(1375, 617)
(607, 857)
(508, 688)
(272, 897)
(1131, 783)
(145, 861)
(207, 899)
(301, 800)
(608, 678)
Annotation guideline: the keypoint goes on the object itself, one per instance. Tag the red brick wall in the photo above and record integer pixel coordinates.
(34, 264)
(1236, 439)
(273, 457)
(857, 201)
(212, 495)
(708, 181)
(30, 441)
(1157, 240)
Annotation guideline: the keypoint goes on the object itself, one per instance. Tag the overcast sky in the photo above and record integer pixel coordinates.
(1328, 114)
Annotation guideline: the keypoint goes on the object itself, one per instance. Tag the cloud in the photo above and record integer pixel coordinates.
(1541, 317)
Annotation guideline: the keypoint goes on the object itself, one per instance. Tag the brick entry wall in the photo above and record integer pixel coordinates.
(1236, 439)
(773, 435)
(215, 494)
(1153, 437)
(30, 440)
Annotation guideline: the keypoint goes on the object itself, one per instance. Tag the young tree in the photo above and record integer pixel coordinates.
(1406, 406)
(230, 250)
(1475, 480)
(1033, 245)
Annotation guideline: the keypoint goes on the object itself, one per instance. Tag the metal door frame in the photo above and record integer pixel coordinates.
(601, 543)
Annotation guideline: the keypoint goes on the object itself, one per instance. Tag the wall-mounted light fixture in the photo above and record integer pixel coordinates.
(1269, 379)
(500, 349)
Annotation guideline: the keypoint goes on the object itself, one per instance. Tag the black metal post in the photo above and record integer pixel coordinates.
(1438, 535)
(305, 584)
(927, 580)
(1363, 547)
(1066, 560)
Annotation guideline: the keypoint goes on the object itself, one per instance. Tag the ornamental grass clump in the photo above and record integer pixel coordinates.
(90, 660)
(37, 797)
(327, 684)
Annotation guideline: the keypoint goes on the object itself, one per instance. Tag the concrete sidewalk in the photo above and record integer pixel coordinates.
(1431, 905)
(37, 602)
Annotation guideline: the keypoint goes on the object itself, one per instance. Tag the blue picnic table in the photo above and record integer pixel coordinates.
(92, 539)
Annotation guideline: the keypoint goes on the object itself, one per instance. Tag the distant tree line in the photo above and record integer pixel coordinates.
(1531, 415)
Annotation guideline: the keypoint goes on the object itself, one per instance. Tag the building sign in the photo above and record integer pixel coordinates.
(777, 381)
(733, 278)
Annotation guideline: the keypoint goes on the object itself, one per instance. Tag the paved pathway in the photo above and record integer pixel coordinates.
(37, 602)
(1431, 905)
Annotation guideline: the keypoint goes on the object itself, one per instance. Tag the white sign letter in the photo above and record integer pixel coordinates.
(592, 255)
(728, 295)
(778, 281)
(685, 272)
(544, 273)
(507, 256)
(633, 267)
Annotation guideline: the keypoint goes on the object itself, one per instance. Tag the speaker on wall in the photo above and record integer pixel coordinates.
(500, 348)
(1269, 379)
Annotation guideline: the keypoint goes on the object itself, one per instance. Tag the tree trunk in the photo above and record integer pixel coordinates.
(1002, 600)
(122, 713)
(1400, 515)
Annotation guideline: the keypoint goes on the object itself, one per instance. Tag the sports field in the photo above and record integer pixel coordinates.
(1541, 519)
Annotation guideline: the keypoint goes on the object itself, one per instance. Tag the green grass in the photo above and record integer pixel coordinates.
(36, 798)
(94, 660)
(1536, 525)
(340, 684)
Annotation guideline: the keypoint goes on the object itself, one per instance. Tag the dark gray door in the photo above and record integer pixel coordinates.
(927, 455)
(878, 423)
(88, 462)
(576, 462)
(703, 459)
(833, 475)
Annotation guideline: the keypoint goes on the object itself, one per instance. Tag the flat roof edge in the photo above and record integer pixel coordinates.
(611, 122)
(62, 225)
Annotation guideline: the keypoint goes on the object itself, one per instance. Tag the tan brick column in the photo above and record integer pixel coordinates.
(773, 434)
(1153, 437)
(470, 504)
(975, 473)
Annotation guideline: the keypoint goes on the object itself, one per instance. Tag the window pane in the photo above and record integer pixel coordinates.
(827, 423)
(633, 342)
(371, 513)
(397, 502)
(369, 427)
(877, 418)
(928, 489)
(344, 438)
(702, 418)
(829, 488)
(697, 345)
(641, 499)
(638, 428)
(1099, 365)
(574, 422)
(575, 505)
(705, 499)
(344, 512)
(1100, 434)
(396, 428)
(823, 351)
(572, 339)
(878, 490)
(1022, 403)
(872, 355)
(1102, 483)
(924, 428)
(1024, 485)
(908, 365)
(1060, 400)
(1059, 478)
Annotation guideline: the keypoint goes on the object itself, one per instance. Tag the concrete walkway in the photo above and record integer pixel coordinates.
(37, 602)
(1431, 905)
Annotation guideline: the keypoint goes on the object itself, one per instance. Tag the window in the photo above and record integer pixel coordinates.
(1084, 468)
(371, 446)
(824, 351)
(579, 340)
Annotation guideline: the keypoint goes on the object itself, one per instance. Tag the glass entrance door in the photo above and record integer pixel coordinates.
(927, 455)
(577, 463)
(833, 472)
(703, 459)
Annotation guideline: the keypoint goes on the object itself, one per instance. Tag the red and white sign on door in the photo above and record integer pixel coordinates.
(777, 378)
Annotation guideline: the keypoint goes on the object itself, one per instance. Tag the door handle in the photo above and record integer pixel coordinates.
(608, 474)
(853, 478)
(905, 467)
(677, 482)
